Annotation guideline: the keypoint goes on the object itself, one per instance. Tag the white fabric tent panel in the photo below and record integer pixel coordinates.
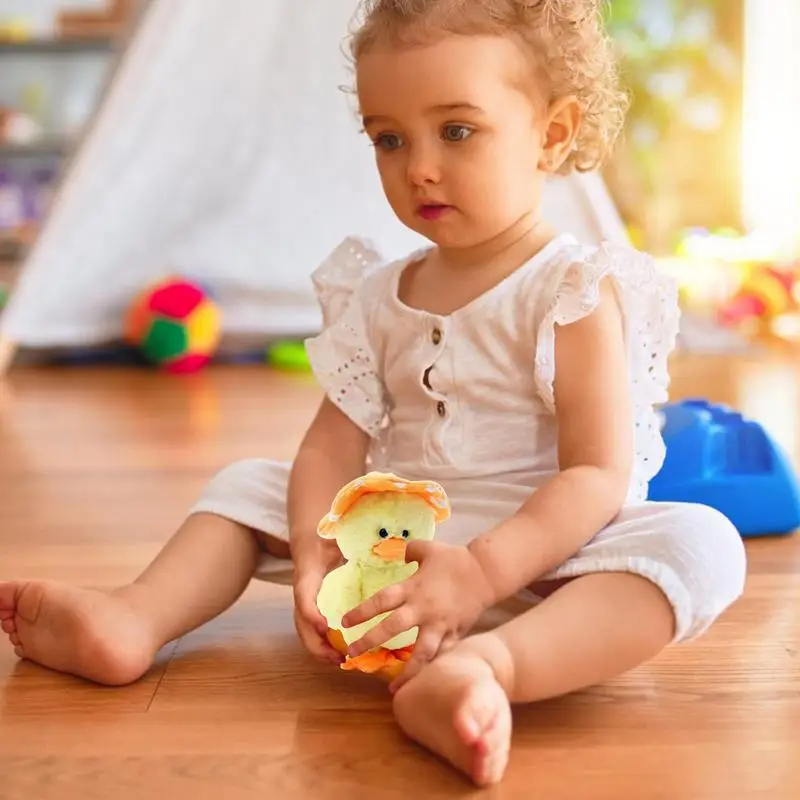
(226, 151)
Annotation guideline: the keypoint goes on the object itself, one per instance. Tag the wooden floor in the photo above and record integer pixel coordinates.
(98, 467)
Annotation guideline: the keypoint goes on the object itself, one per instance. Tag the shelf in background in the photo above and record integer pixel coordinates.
(11, 252)
(50, 146)
(9, 274)
(57, 46)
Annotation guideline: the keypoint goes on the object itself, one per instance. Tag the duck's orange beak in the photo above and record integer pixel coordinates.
(392, 549)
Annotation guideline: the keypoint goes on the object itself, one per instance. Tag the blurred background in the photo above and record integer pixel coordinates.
(54, 58)
(680, 162)
(706, 176)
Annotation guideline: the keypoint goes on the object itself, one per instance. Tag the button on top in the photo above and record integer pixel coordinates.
(437, 336)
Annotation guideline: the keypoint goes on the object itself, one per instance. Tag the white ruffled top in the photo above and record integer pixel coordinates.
(469, 395)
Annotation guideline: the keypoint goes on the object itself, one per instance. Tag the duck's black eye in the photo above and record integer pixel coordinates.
(383, 533)
(406, 534)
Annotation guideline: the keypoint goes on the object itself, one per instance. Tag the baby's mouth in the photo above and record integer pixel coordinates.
(433, 211)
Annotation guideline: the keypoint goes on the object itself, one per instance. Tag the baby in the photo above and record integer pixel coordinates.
(507, 361)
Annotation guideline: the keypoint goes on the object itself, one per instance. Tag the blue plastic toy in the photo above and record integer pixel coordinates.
(718, 458)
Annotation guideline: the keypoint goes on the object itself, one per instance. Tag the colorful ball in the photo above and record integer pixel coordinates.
(175, 325)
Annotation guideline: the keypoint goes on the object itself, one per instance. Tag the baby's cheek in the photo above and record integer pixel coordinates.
(395, 188)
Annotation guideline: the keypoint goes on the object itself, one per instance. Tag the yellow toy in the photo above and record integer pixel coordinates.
(373, 519)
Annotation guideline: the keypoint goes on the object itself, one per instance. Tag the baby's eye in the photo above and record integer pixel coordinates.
(406, 534)
(383, 533)
(456, 133)
(388, 141)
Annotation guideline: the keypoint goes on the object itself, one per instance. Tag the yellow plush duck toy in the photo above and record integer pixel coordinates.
(372, 520)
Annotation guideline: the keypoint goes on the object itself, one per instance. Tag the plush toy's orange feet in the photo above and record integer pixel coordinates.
(383, 663)
(386, 663)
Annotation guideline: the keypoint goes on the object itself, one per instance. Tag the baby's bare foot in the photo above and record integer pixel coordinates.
(92, 634)
(456, 708)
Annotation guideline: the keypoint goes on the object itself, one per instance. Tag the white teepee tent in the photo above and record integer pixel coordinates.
(225, 150)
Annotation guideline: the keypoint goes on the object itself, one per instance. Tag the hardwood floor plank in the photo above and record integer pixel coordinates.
(27, 691)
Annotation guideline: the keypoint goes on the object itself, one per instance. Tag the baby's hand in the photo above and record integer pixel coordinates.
(445, 598)
(312, 628)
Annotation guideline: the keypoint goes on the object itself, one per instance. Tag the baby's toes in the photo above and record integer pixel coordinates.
(8, 598)
(9, 625)
(491, 754)
(478, 711)
(483, 721)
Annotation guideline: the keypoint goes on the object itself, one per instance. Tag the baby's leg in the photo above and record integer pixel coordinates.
(111, 637)
(659, 574)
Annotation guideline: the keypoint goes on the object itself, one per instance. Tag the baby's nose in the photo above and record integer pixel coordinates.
(424, 167)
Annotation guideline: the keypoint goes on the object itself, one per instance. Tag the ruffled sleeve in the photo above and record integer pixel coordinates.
(341, 355)
(649, 301)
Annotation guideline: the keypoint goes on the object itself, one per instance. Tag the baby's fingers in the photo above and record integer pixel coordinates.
(386, 600)
(426, 648)
(317, 645)
(402, 620)
(305, 599)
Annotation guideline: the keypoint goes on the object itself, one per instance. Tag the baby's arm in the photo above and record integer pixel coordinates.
(333, 452)
(595, 450)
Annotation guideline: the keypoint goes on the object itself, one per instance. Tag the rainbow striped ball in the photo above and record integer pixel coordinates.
(175, 325)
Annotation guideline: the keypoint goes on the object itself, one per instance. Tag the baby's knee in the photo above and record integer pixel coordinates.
(701, 551)
(237, 474)
(252, 493)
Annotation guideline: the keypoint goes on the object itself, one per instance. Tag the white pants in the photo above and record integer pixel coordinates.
(691, 552)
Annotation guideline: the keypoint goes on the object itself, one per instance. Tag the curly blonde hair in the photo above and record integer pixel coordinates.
(566, 40)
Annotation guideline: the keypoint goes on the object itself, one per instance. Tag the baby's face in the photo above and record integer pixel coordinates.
(457, 133)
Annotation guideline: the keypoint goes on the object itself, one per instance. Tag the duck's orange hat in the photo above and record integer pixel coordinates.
(432, 493)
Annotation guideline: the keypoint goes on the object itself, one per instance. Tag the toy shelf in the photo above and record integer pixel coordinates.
(63, 46)
(12, 250)
(23, 164)
(50, 146)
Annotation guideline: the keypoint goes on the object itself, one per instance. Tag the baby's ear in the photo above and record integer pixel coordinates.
(564, 119)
